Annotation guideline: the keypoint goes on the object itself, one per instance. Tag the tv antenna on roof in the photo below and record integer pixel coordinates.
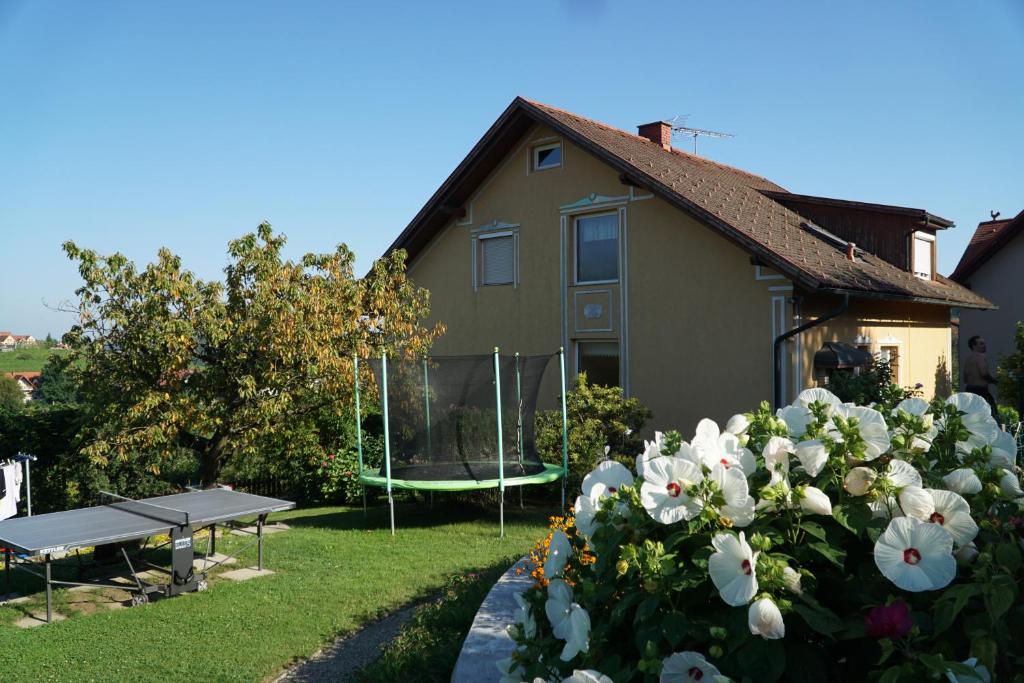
(697, 132)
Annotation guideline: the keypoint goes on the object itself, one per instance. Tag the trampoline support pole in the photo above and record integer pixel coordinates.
(359, 427)
(565, 427)
(387, 436)
(501, 448)
(426, 403)
(7, 574)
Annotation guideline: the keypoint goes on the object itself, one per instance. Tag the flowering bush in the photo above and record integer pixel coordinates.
(827, 541)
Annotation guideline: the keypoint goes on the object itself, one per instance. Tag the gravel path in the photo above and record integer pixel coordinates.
(340, 660)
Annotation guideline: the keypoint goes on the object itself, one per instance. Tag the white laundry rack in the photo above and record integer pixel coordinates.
(25, 459)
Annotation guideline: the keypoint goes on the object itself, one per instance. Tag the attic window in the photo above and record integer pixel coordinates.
(547, 156)
(497, 259)
(924, 255)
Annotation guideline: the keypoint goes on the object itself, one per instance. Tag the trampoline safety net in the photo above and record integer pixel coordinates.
(442, 415)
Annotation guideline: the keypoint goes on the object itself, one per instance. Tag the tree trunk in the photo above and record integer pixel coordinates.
(210, 460)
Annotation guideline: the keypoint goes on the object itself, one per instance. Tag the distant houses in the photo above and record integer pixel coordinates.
(28, 382)
(9, 342)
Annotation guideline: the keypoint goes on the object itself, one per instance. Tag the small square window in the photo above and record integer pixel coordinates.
(547, 156)
(600, 360)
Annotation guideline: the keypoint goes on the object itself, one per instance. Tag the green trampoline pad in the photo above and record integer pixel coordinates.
(375, 478)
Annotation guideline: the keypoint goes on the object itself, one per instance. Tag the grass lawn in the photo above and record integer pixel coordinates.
(335, 570)
(28, 359)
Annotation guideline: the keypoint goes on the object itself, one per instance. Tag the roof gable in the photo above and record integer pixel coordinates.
(731, 201)
(988, 238)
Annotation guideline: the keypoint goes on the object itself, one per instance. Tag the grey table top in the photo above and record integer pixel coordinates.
(61, 531)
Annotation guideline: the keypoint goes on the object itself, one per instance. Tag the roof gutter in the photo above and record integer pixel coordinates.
(777, 348)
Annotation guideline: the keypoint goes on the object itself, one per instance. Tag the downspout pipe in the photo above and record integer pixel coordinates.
(777, 348)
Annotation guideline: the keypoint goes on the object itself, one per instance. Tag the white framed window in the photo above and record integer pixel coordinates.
(922, 253)
(497, 258)
(547, 156)
(600, 360)
(597, 248)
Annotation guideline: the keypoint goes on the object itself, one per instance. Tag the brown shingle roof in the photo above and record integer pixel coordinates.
(726, 198)
(988, 238)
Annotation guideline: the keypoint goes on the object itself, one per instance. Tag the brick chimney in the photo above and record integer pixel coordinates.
(659, 132)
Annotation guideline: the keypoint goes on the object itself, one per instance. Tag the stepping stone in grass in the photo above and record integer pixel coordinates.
(37, 619)
(245, 574)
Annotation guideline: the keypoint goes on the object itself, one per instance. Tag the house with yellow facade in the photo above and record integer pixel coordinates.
(699, 288)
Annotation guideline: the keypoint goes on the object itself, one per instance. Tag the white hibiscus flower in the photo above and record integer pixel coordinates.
(584, 516)
(559, 551)
(952, 513)
(918, 407)
(732, 567)
(587, 676)
(812, 455)
(901, 473)
(814, 500)
(818, 395)
(870, 426)
(915, 556)
(569, 621)
(606, 479)
(664, 490)
(687, 667)
(714, 447)
(797, 418)
(738, 424)
(776, 457)
(765, 620)
(510, 671)
(654, 449)
(524, 617)
(858, 480)
(739, 504)
(1009, 484)
(916, 502)
(981, 673)
(963, 481)
(977, 419)
(1004, 451)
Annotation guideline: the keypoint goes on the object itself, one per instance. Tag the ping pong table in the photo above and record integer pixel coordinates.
(122, 520)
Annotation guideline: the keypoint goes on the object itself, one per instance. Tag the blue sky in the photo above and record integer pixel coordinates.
(127, 126)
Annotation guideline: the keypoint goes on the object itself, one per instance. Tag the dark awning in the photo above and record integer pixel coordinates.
(840, 355)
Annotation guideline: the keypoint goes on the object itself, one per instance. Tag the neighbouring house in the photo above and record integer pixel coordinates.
(28, 382)
(671, 275)
(10, 341)
(993, 266)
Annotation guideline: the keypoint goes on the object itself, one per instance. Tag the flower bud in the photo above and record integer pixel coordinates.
(718, 633)
(1009, 485)
(621, 567)
(967, 554)
(814, 501)
(716, 651)
(791, 578)
(764, 619)
(858, 481)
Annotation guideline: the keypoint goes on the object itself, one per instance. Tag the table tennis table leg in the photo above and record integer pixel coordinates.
(7, 573)
(49, 592)
(259, 542)
(213, 539)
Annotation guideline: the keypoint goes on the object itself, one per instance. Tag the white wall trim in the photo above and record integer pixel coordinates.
(760, 275)
(624, 303)
(564, 278)
(901, 357)
(778, 312)
(592, 203)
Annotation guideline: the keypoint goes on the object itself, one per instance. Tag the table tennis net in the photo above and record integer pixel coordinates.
(142, 508)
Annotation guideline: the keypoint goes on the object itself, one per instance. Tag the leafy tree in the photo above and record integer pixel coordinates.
(56, 384)
(1010, 372)
(11, 397)
(598, 417)
(165, 360)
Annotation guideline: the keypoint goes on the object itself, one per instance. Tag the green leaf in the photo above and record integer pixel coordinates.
(822, 620)
(985, 649)
(1000, 595)
(951, 603)
(834, 556)
(761, 660)
(813, 528)
(647, 609)
(675, 626)
(1008, 555)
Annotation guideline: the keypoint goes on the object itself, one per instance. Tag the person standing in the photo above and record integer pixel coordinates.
(976, 374)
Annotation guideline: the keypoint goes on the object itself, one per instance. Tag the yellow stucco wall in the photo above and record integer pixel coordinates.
(698, 319)
(921, 332)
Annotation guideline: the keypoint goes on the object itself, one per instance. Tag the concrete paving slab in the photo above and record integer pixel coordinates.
(487, 640)
(13, 599)
(275, 528)
(200, 564)
(37, 619)
(245, 574)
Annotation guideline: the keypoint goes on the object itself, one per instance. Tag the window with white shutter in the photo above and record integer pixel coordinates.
(497, 259)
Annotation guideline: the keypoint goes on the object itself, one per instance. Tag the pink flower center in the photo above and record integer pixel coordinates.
(911, 556)
(612, 489)
(674, 489)
(745, 566)
(937, 518)
(696, 674)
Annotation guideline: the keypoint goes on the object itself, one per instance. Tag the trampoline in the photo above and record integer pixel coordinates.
(460, 423)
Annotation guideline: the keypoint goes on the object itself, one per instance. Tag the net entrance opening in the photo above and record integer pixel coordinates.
(443, 416)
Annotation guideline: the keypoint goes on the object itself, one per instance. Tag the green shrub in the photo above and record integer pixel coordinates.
(873, 384)
(1008, 415)
(1010, 373)
(598, 417)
